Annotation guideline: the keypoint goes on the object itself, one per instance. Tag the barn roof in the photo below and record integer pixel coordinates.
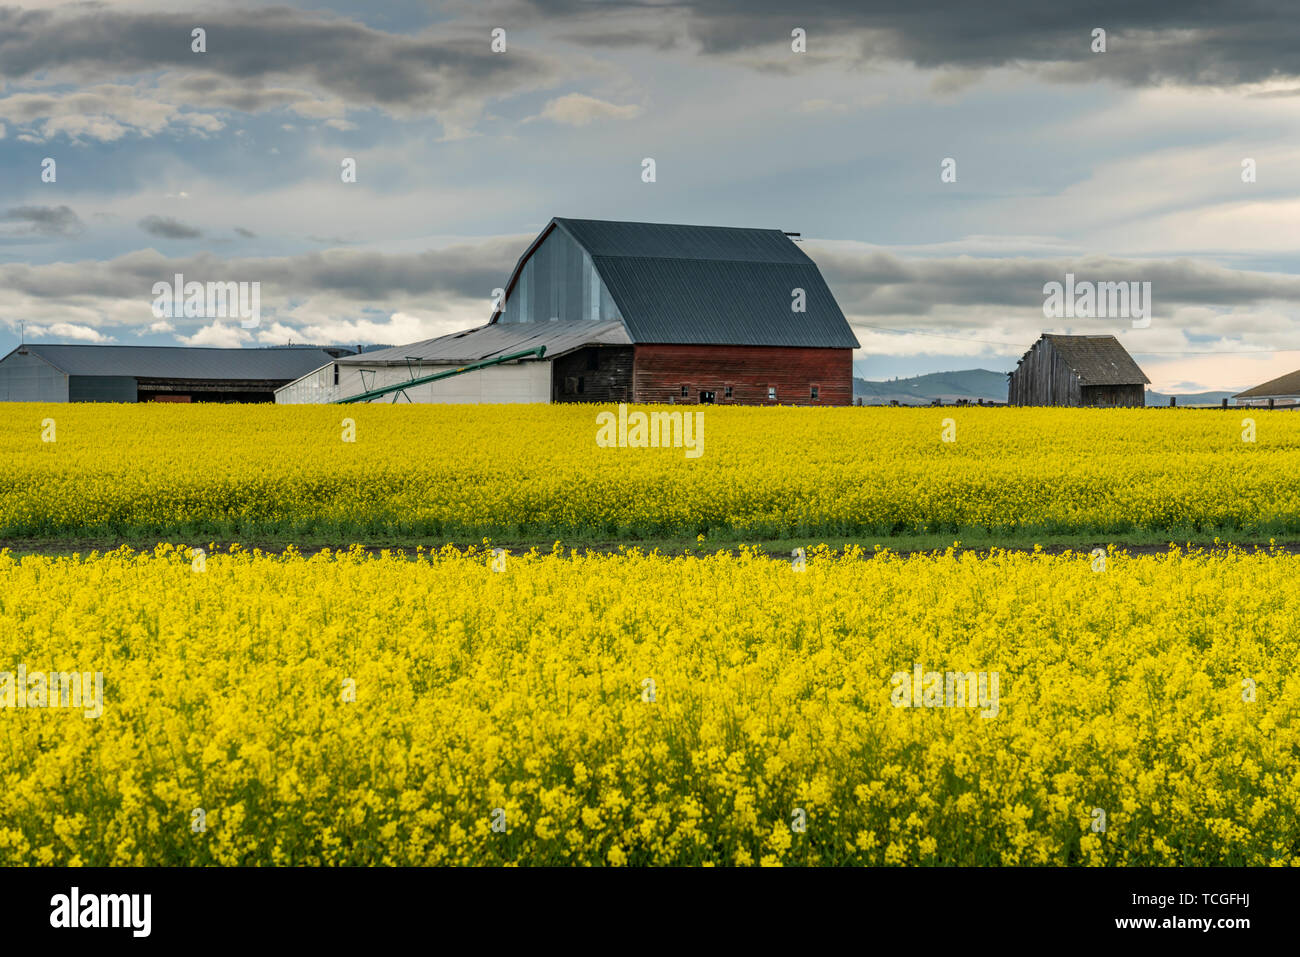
(612, 239)
(180, 362)
(1288, 384)
(707, 285)
(1098, 360)
(485, 342)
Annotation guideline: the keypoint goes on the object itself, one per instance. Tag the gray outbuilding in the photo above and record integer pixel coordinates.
(1284, 391)
(39, 372)
(1077, 371)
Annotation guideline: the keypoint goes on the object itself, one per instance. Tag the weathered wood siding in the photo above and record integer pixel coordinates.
(1043, 378)
(750, 371)
(594, 374)
(1115, 396)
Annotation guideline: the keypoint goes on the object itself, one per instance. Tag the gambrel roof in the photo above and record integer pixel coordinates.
(706, 285)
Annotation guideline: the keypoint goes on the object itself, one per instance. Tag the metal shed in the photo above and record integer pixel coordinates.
(1284, 390)
(41, 372)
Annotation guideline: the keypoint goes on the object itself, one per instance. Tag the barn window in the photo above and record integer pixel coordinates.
(726, 391)
(771, 393)
(570, 384)
(815, 391)
(581, 384)
(685, 391)
(336, 373)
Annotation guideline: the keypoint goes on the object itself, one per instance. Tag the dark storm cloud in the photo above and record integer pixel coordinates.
(364, 66)
(372, 278)
(881, 283)
(165, 227)
(865, 282)
(57, 222)
(1147, 43)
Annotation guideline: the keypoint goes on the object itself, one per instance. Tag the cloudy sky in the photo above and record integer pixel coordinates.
(1122, 165)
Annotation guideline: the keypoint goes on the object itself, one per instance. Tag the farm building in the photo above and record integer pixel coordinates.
(601, 311)
(35, 372)
(1077, 371)
(1284, 390)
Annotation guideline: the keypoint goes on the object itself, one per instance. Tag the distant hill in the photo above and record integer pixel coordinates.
(970, 384)
(975, 384)
(1195, 398)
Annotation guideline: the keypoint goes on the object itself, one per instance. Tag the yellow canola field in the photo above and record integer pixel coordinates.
(633, 709)
(536, 473)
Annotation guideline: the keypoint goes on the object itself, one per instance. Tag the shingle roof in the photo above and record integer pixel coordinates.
(181, 362)
(496, 339)
(1098, 360)
(1288, 384)
(708, 285)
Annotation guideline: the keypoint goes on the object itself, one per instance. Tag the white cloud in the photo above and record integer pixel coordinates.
(217, 334)
(104, 113)
(578, 109)
(399, 327)
(823, 105)
(67, 330)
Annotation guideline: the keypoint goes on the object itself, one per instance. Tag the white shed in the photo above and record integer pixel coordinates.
(532, 379)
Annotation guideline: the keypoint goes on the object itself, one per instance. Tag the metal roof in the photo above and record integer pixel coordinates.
(1288, 385)
(708, 302)
(707, 285)
(494, 339)
(180, 362)
(666, 241)
(1098, 360)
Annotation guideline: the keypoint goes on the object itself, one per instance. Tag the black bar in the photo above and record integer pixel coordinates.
(973, 907)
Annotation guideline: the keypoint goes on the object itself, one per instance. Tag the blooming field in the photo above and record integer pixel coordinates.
(641, 709)
(535, 473)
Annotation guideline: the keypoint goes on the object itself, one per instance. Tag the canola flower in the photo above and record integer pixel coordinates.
(536, 473)
(631, 709)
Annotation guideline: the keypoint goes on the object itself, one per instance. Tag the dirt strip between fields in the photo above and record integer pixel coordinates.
(83, 547)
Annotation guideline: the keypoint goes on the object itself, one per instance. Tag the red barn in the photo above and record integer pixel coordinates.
(632, 312)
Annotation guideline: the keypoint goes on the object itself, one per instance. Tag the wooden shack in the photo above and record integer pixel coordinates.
(1091, 371)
